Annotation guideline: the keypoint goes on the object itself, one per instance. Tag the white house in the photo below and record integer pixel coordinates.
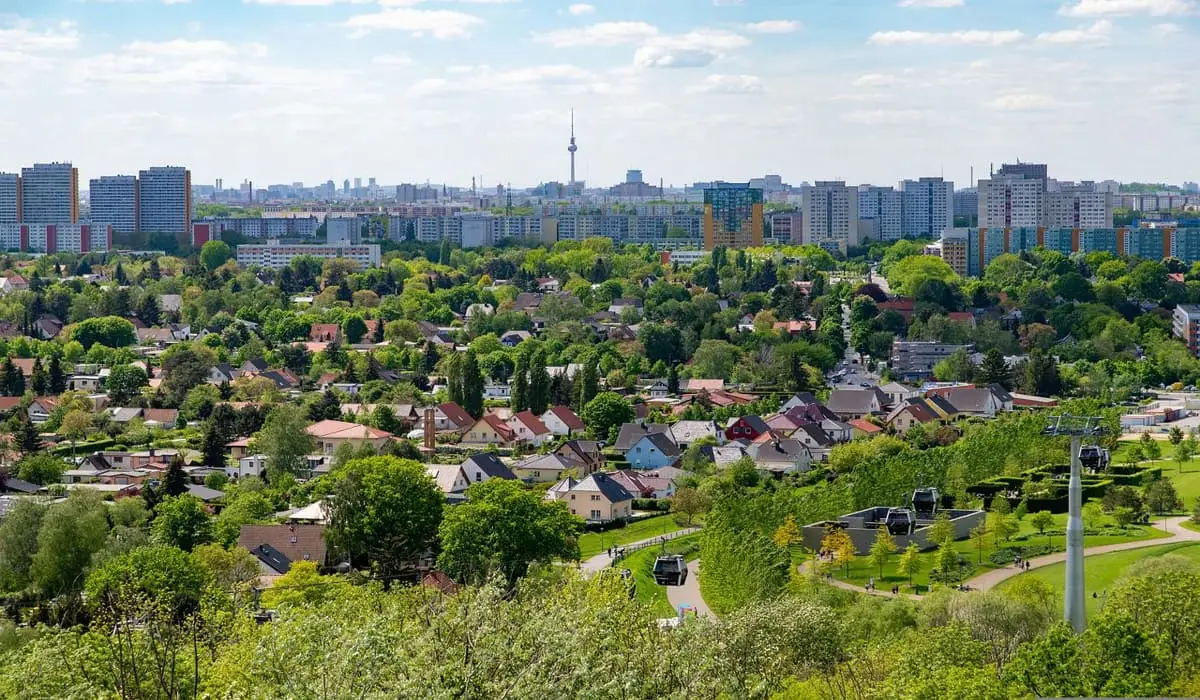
(497, 390)
(561, 420)
(254, 465)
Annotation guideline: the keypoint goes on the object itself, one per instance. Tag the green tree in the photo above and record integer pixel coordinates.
(303, 584)
(19, 543)
(182, 522)
(673, 380)
(284, 440)
(690, 502)
(353, 328)
(1042, 520)
(75, 425)
(472, 386)
(110, 331)
(520, 383)
(212, 444)
(28, 438)
(539, 383)
(979, 535)
(994, 370)
(58, 378)
(385, 511)
(588, 385)
(1161, 496)
(158, 579)
(955, 368)
(185, 367)
(71, 532)
(605, 412)
(246, 508)
(882, 549)
(39, 380)
(214, 254)
(504, 527)
(907, 275)
(1175, 435)
(1150, 447)
(942, 530)
(125, 382)
(910, 562)
(175, 480)
(1185, 450)
(40, 469)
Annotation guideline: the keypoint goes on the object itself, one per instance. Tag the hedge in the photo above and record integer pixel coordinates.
(83, 447)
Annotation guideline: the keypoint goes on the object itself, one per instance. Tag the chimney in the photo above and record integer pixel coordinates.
(430, 432)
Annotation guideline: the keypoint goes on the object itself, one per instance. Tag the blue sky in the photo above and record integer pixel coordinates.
(440, 90)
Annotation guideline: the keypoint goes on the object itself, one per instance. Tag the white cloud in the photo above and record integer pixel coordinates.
(931, 3)
(1154, 8)
(441, 24)
(21, 36)
(728, 3)
(580, 8)
(1023, 102)
(600, 34)
(879, 117)
(301, 3)
(1166, 29)
(969, 37)
(477, 80)
(695, 49)
(728, 84)
(394, 60)
(874, 80)
(1098, 33)
(774, 26)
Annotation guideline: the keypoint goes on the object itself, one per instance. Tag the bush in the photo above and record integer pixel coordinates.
(1007, 555)
(659, 504)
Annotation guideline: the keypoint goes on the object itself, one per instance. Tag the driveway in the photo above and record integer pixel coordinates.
(689, 592)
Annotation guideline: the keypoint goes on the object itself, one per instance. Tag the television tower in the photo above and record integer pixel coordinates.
(572, 148)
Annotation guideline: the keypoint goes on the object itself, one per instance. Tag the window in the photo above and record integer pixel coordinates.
(595, 497)
(595, 515)
(572, 497)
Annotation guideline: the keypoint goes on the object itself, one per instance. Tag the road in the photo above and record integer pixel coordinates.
(689, 592)
(856, 373)
(994, 577)
(602, 560)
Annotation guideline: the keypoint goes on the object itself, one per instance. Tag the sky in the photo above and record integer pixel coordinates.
(278, 91)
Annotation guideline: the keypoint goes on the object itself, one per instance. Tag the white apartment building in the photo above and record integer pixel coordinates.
(928, 207)
(114, 200)
(10, 198)
(477, 230)
(830, 215)
(165, 200)
(882, 208)
(343, 230)
(56, 238)
(1070, 205)
(49, 194)
(277, 256)
(1010, 201)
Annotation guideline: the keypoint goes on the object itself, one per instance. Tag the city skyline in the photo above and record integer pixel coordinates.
(284, 90)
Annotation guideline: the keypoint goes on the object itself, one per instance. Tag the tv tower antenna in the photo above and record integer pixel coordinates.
(572, 148)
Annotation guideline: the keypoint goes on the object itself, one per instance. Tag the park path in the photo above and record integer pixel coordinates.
(602, 561)
(992, 578)
(689, 592)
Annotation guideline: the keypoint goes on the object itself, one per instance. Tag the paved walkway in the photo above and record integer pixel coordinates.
(689, 592)
(992, 578)
(602, 560)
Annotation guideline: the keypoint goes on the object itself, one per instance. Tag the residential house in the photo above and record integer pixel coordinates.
(642, 485)
(597, 498)
(529, 428)
(254, 365)
(780, 455)
(561, 420)
(621, 304)
(695, 386)
(40, 408)
(325, 333)
(800, 399)
(783, 424)
(746, 428)
(686, 432)
(221, 373)
(512, 339)
(528, 302)
(911, 413)
(48, 327)
(653, 451)
(586, 452)
(170, 303)
(725, 455)
(632, 432)
(13, 283)
(331, 434)
(277, 547)
(25, 364)
(489, 430)
(548, 284)
(864, 428)
(160, 417)
(451, 480)
(658, 389)
(549, 467)
(897, 393)
(283, 378)
(239, 448)
(483, 466)
(450, 417)
(204, 493)
(795, 328)
(856, 403)
(984, 401)
(497, 390)
(250, 465)
(123, 414)
(816, 439)
(157, 337)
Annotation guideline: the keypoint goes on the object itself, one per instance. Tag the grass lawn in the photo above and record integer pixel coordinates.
(592, 543)
(641, 563)
(861, 569)
(1101, 571)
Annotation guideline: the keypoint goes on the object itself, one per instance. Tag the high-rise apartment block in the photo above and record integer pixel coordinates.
(114, 200)
(49, 194)
(733, 216)
(928, 205)
(10, 198)
(830, 215)
(164, 200)
(1185, 323)
(1070, 205)
(787, 228)
(881, 212)
(1007, 201)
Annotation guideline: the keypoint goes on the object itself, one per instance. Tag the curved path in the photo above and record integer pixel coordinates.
(689, 592)
(602, 560)
(992, 578)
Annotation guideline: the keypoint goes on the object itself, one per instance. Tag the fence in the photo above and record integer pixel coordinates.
(624, 551)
